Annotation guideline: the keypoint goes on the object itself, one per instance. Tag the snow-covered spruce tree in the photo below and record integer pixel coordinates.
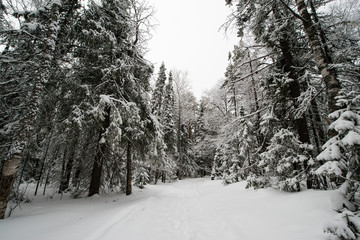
(247, 157)
(283, 163)
(169, 128)
(169, 116)
(28, 63)
(205, 140)
(158, 102)
(341, 156)
(220, 164)
(158, 93)
(114, 83)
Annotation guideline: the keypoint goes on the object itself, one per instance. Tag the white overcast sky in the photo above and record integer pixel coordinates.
(187, 38)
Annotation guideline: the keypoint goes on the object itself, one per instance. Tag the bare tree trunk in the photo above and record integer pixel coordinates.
(329, 75)
(66, 177)
(317, 121)
(129, 168)
(43, 162)
(179, 145)
(46, 181)
(99, 158)
(254, 92)
(235, 102)
(62, 169)
(157, 175)
(163, 176)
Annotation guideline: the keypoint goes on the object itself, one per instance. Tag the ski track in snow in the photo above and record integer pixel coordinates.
(192, 209)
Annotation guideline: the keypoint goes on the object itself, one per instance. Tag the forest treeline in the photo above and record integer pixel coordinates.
(79, 112)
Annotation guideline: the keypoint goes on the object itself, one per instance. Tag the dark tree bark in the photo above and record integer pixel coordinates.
(157, 175)
(43, 163)
(99, 157)
(65, 179)
(257, 107)
(163, 176)
(318, 124)
(129, 168)
(62, 168)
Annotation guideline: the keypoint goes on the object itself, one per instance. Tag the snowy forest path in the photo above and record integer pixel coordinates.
(190, 209)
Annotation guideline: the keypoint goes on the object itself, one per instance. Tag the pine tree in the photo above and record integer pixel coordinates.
(158, 94)
(283, 162)
(114, 80)
(168, 122)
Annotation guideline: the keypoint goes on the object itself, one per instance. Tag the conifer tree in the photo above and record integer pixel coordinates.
(158, 94)
(169, 116)
(114, 79)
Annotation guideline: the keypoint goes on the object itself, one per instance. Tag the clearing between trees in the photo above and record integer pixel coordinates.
(188, 209)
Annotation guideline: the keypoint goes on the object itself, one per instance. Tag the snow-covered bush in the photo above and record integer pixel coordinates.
(141, 175)
(257, 181)
(341, 152)
(341, 165)
(220, 162)
(346, 226)
(233, 174)
(284, 161)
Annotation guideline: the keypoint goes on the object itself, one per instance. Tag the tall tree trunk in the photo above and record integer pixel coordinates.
(179, 145)
(257, 107)
(99, 157)
(129, 168)
(46, 181)
(43, 162)
(66, 177)
(62, 169)
(328, 74)
(157, 176)
(317, 121)
(234, 101)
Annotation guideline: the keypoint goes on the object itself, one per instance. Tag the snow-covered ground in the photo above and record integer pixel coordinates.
(197, 209)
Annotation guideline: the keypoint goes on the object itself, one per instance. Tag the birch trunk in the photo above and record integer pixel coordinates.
(328, 74)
